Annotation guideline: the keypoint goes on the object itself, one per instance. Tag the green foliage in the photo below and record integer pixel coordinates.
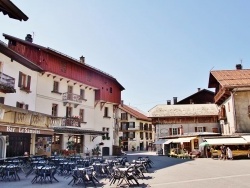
(96, 150)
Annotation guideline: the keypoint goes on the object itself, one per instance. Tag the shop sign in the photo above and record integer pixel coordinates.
(22, 130)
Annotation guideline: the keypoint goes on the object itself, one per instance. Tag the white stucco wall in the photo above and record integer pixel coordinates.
(12, 68)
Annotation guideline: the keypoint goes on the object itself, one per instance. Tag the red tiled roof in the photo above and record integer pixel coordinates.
(230, 78)
(133, 112)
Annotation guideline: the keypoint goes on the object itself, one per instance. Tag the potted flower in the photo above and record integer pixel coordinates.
(101, 143)
(104, 137)
(96, 150)
(108, 138)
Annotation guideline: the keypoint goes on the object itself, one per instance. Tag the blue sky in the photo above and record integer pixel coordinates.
(156, 49)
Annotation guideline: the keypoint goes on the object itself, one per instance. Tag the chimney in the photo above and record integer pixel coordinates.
(29, 38)
(121, 102)
(238, 66)
(168, 102)
(175, 100)
(199, 89)
(82, 59)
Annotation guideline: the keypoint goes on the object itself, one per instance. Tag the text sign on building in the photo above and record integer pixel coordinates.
(22, 130)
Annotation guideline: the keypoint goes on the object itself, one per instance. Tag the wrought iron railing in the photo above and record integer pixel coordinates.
(72, 97)
(7, 80)
(71, 121)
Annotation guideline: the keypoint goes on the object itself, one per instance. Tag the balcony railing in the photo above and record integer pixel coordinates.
(71, 98)
(7, 83)
(134, 128)
(71, 121)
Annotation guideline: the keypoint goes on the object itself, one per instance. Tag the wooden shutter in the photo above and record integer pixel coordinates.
(2, 100)
(20, 79)
(178, 131)
(17, 104)
(195, 129)
(28, 84)
(204, 129)
(170, 131)
(26, 106)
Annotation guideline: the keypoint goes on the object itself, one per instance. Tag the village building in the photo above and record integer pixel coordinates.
(183, 126)
(232, 95)
(136, 129)
(79, 99)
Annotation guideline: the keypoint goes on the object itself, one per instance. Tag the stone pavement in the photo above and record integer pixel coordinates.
(170, 173)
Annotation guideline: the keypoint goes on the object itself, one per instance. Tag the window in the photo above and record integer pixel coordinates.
(70, 89)
(124, 116)
(110, 90)
(131, 125)
(141, 126)
(54, 109)
(81, 115)
(124, 126)
(215, 130)
(200, 129)
(141, 135)
(56, 139)
(68, 111)
(24, 81)
(131, 135)
(106, 112)
(22, 105)
(175, 131)
(56, 86)
(82, 94)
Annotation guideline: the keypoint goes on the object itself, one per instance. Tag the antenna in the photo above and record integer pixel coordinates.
(211, 69)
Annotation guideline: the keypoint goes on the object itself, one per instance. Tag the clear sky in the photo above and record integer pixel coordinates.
(156, 49)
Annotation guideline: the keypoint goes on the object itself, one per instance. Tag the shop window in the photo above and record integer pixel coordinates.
(56, 139)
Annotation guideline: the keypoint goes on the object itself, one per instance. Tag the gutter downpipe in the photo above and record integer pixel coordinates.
(234, 112)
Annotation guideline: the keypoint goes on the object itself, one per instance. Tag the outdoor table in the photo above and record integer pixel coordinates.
(43, 172)
(9, 171)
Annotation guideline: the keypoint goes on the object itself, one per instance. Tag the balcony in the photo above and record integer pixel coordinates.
(134, 128)
(71, 98)
(71, 122)
(221, 96)
(7, 83)
(124, 138)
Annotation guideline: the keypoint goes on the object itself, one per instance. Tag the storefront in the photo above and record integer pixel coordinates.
(20, 139)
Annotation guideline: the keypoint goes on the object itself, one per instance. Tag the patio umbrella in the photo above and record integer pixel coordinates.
(204, 144)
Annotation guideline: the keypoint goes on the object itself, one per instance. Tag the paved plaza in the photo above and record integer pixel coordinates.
(169, 172)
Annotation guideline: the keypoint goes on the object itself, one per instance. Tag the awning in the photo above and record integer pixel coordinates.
(161, 141)
(76, 130)
(227, 141)
(169, 141)
(186, 139)
(247, 138)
